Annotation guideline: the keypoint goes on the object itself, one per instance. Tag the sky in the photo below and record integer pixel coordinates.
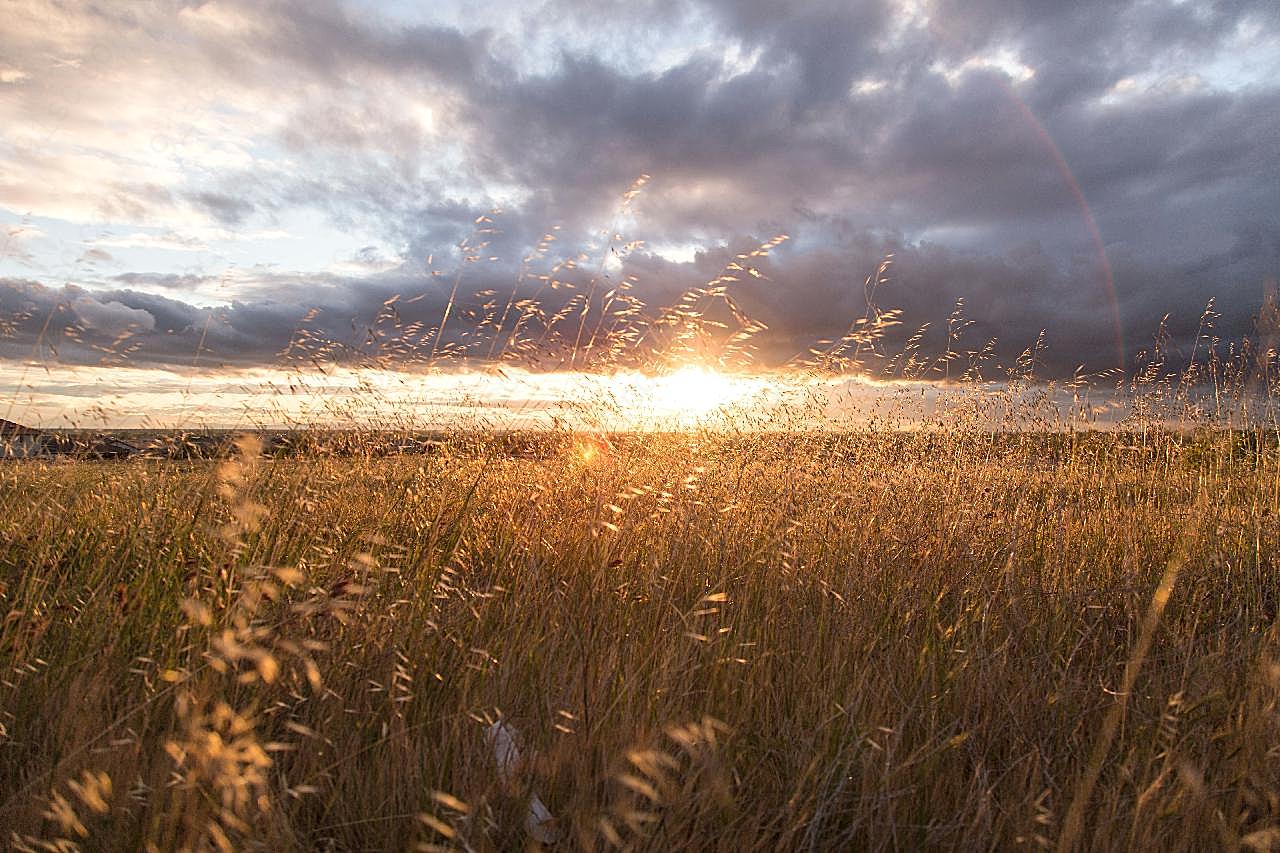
(186, 185)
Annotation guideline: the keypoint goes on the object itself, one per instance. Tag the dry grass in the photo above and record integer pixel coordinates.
(764, 642)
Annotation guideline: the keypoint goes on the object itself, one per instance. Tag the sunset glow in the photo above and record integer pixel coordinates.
(696, 391)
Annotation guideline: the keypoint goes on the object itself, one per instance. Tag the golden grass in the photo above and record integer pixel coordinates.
(764, 642)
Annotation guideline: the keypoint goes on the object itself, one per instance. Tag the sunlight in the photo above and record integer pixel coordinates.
(695, 391)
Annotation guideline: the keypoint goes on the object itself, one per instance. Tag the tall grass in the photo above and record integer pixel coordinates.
(881, 640)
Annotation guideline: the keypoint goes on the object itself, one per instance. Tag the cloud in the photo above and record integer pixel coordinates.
(95, 255)
(110, 318)
(994, 147)
(801, 294)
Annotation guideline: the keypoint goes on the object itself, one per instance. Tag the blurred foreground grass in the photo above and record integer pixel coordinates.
(757, 642)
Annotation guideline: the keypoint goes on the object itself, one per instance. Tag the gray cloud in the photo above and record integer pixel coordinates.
(980, 143)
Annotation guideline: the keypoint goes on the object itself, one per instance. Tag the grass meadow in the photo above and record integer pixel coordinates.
(388, 463)
(930, 639)
(988, 625)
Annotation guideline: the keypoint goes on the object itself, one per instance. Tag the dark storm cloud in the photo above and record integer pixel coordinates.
(732, 151)
(829, 43)
(977, 142)
(389, 319)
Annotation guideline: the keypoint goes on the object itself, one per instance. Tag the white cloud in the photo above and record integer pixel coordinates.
(1003, 60)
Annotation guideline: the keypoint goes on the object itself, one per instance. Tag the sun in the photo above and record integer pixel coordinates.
(695, 391)
(688, 397)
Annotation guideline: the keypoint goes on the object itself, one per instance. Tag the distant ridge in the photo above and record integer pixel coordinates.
(11, 428)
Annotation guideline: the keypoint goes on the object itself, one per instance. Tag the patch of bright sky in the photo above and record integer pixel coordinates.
(1251, 59)
(53, 396)
(868, 86)
(302, 240)
(677, 253)
(1248, 57)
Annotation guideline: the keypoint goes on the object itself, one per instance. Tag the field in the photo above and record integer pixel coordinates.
(864, 641)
